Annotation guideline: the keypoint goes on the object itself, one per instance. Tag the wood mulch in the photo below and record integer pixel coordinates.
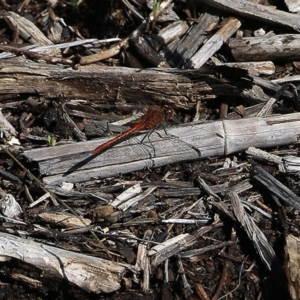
(204, 204)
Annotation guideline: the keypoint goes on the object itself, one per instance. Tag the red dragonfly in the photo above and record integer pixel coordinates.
(152, 118)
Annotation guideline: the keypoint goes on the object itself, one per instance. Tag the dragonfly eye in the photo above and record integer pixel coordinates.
(169, 112)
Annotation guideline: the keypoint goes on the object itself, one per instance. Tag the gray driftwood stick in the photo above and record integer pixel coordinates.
(90, 273)
(182, 88)
(283, 47)
(286, 164)
(73, 163)
(267, 14)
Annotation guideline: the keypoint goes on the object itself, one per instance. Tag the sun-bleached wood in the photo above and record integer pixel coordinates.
(90, 273)
(283, 47)
(170, 33)
(263, 13)
(6, 128)
(230, 26)
(255, 68)
(292, 5)
(73, 163)
(194, 38)
(286, 164)
(182, 88)
(255, 235)
(27, 30)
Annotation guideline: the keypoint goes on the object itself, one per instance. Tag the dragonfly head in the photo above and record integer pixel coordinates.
(169, 112)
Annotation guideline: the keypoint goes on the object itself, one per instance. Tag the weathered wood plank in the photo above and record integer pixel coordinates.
(90, 273)
(283, 47)
(73, 163)
(194, 38)
(267, 14)
(182, 88)
(214, 43)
